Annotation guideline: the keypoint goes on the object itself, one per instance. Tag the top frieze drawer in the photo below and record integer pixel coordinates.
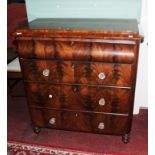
(87, 50)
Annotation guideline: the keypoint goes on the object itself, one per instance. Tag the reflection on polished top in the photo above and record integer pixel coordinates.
(116, 25)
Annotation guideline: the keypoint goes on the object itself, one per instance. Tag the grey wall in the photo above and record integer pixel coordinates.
(83, 9)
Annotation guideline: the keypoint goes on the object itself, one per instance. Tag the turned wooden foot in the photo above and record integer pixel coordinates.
(36, 129)
(125, 138)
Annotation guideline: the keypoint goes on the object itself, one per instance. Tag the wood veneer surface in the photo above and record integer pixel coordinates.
(69, 65)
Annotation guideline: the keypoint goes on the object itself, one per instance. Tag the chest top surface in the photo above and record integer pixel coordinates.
(96, 28)
(85, 24)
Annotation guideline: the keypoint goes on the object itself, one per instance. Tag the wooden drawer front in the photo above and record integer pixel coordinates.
(103, 74)
(76, 50)
(53, 71)
(76, 72)
(82, 121)
(80, 98)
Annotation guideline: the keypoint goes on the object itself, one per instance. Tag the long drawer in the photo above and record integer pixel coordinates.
(77, 72)
(71, 49)
(82, 98)
(80, 121)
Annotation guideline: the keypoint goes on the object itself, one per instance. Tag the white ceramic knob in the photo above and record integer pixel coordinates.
(46, 72)
(52, 120)
(101, 76)
(101, 102)
(101, 125)
(50, 96)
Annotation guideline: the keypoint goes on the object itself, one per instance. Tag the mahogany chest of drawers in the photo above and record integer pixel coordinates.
(80, 74)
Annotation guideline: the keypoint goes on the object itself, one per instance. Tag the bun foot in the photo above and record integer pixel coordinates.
(36, 129)
(125, 138)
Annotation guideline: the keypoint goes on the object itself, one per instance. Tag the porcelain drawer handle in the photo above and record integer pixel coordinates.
(52, 120)
(50, 96)
(46, 72)
(101, 126)
(101, 76)
(102, 102)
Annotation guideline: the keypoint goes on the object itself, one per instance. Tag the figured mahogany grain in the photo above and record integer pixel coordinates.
(76, 50)
(83, 98)
(75, 56)
(115, 74)
(77, 72)
(82, 121)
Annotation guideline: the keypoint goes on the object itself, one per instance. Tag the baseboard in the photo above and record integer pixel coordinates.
(137, 109)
